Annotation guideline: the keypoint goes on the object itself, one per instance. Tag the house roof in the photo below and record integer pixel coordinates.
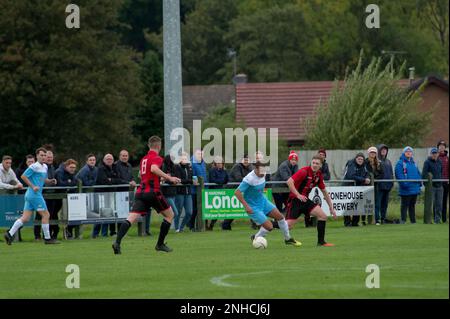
(431, 79)
(199, 100)
(282, 105)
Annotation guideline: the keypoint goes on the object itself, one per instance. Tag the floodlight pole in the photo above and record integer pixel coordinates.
(173, 99)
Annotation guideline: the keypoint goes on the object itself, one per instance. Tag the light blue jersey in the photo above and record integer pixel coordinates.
(37, 174)
(252, 187)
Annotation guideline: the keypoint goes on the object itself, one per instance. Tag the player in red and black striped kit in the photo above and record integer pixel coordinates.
(300, 185)
(149, 195)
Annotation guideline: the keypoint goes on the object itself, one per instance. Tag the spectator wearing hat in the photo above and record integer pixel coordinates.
(237, 174)
(325, 169)
(443, 157)
(356, 172)
(405, 169)
(383, 188)
(433, 165)
(285, 171)
(219, 176)
(375, 168)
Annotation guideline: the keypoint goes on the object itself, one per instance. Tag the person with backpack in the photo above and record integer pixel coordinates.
(406, 169)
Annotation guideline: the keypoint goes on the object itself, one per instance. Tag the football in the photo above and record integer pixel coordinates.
(260, 243)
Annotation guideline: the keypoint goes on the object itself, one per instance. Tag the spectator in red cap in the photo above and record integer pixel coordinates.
(284, 172)
(443, 157)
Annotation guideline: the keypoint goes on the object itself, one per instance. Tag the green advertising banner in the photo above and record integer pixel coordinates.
(222, 204)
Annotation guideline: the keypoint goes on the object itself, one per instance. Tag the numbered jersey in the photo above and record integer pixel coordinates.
(149, 181)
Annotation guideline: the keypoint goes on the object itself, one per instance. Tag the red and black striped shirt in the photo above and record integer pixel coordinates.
(305, 180)
(149, 181)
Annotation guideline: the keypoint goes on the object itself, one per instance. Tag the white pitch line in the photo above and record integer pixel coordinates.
(219, 281)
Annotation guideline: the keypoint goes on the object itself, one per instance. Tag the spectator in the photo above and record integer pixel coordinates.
(169, 191)
(217, 175)
(199, 170)
(8, 179)
(65, 177)
(374, 167)
(443, 157)
(237, 174)
(107, 175)
(433, 165)
(183, 199)
(124, 169)
(383, 188)
(125, 172)
(325, 169)
(89, 172)
(356, 172)
(406, 168)
(53, 205)
(285, 171)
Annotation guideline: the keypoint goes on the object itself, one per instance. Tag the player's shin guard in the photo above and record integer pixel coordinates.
(262, 232)
(321, 231)
(284, 228)
(17, 224)
(165, 226)
(123, 231)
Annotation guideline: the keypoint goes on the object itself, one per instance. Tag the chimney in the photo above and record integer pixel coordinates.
(411, 75)
(240, 79)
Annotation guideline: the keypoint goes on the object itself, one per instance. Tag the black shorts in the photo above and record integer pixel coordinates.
(143, 202)
(295, 207)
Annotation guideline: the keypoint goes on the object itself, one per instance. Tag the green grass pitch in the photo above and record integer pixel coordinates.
(413, 262)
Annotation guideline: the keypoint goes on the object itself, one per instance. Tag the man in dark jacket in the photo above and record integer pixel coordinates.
(325, 169)
(107, 175)
(218, 175)
(357, 173)
(443, 157)
(383, 188)
(433, 165)
(285, 171)
(124, 169)
(237, 174)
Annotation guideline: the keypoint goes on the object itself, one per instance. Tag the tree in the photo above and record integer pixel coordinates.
(368, 108)
(74, 88)
(203, 45)
(149, 119)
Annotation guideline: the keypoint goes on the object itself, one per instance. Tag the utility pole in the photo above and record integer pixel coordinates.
(392, 55)
(173, 99)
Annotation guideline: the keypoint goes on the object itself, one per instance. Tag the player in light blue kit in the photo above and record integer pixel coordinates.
(258, 207)
(35, 177)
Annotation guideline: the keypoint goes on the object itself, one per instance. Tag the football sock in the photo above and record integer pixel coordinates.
(18, 223)
(262, 232)
(321, 231)
(165, 226)
(123, 231)
(284, 228)
(46, 231)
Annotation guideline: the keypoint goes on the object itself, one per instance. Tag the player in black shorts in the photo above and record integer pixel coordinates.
(149, 195)
(300, 185)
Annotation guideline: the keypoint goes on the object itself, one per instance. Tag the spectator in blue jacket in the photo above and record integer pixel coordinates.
(198, 170)
(383, 188)
(217, 175)
(88, 174)
(406, 168)
(433, 165)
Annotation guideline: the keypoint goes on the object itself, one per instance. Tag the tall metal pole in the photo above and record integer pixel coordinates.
(173, 99)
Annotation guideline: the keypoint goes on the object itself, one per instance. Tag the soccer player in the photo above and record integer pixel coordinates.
(258, 207)
(35, 176)
(149, 195)
(300, 185)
